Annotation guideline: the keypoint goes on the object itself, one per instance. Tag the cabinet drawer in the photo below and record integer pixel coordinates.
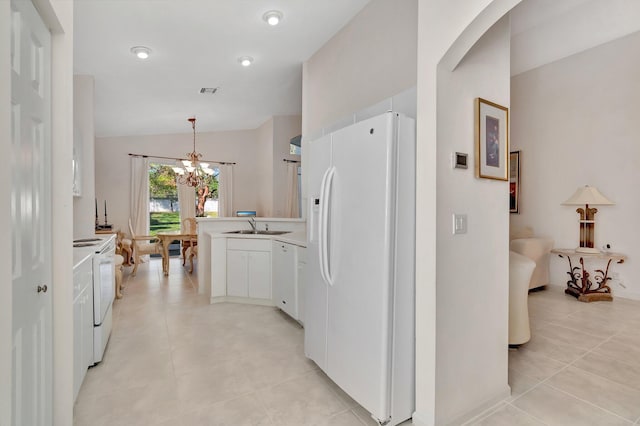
(250, 244)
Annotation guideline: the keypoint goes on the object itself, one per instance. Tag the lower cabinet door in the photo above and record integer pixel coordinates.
(87, 328)
(259, 271)
(237, 273)
(77, 346)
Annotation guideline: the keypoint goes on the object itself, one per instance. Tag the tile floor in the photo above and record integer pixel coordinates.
(581, 367)
(173, 359)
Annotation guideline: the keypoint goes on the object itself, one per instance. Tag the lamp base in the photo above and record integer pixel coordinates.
(591, 250)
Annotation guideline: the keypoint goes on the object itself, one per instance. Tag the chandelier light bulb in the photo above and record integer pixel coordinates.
(193, 172)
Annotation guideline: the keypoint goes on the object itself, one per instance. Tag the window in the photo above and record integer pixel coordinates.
(207, 198)
(164, 210)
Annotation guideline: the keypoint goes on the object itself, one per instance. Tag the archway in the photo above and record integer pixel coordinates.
(442, 45)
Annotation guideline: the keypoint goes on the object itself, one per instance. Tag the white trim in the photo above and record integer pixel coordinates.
(5, 220)
(419, 419)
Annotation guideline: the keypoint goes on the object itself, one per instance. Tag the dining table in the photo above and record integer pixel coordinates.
(166, 238)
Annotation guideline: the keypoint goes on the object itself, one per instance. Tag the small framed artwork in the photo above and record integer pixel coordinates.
(514, 182)
(492, 140)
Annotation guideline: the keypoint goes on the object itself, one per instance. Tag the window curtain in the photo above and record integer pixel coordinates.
(187, 201)
(225, 190)
(140, 195)
(292, 190)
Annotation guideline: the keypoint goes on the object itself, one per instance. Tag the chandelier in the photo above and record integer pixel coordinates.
(193, 172)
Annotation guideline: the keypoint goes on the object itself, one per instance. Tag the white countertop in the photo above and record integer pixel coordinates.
(297, 238)
(80, 255)
(257, 219)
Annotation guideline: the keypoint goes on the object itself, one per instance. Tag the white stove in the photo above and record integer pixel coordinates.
(104, 250)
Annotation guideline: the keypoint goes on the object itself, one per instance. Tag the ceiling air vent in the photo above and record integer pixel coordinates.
(211, 90)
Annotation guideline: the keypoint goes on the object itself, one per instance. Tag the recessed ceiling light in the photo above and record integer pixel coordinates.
(245, 61)
(141, 52)
(272, 17)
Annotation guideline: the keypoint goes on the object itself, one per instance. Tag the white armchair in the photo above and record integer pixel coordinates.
(142, 245)
(520, 269)
(536, 249)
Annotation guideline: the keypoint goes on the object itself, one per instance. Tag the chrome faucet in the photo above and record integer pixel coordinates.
(252, 222)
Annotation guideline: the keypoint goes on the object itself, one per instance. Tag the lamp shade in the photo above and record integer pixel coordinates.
(588, 195)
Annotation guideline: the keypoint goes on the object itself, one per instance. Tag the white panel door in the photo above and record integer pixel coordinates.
(31, 216)
(358, 330)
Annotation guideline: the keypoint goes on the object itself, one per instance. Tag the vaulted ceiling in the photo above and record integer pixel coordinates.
(197, 43)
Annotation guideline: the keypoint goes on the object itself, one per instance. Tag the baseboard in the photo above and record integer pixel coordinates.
(245, 300)
(480, 409)
(625, 294)
(617, 291)
(419, 419)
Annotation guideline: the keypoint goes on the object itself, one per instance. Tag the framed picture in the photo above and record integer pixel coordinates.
(514, 182)
(492, 140)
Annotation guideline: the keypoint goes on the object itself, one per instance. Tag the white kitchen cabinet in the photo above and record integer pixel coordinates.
(82, 322)
(284, 277)
(249, 268)
(301, 254)
(237, 273)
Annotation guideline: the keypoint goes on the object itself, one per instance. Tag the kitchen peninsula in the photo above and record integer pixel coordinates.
(216, 237)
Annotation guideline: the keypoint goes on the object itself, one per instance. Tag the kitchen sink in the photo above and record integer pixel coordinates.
(251, 231)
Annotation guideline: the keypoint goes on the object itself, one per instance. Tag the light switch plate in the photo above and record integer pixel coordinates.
(459, 223)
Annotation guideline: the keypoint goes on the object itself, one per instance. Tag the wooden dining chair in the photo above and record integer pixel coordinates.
(189, 226)
(142, 245)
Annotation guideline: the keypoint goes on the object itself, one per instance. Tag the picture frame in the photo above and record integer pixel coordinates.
(514, 182)
(492, 140)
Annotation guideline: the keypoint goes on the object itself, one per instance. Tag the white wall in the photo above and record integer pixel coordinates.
(258, 182)
(446, 31)
(264, 152)
(576, 123)
(472, 269)
(113, 167)
(372, 58)
(84, 140)
(60, 20)
(285, 128)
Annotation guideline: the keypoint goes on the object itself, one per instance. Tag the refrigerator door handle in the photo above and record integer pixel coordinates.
(320, 224)
(325, 227)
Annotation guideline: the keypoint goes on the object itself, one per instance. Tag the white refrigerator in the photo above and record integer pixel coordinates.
(360, 279)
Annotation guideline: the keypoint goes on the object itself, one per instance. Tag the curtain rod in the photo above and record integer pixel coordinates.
(177, 159)
(290, 161)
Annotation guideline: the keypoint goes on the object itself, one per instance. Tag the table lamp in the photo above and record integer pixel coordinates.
(587, 195)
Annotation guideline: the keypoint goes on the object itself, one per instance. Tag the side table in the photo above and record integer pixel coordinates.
(583, 285)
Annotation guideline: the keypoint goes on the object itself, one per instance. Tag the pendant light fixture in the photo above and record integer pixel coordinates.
(193, 172)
